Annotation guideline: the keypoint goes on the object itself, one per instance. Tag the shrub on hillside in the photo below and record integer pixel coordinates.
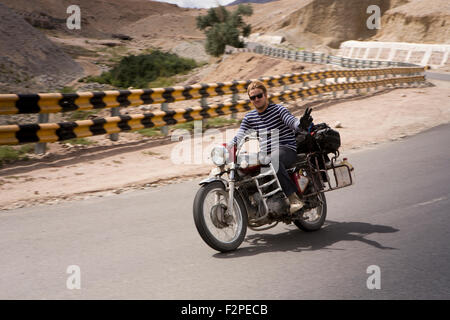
(138, 71)
(224, 28)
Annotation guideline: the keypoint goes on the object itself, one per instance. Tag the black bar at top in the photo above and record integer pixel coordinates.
(28, 103)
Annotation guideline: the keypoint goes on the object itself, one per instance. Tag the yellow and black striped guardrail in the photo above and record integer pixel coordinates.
(52, 132)
(64, 102)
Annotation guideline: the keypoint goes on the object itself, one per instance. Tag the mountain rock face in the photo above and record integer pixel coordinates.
(310, 23)
(417, 21)
(28, 57)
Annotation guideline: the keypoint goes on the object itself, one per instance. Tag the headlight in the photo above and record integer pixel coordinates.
(219, 155)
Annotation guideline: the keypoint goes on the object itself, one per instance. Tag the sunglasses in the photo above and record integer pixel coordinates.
(259, 96)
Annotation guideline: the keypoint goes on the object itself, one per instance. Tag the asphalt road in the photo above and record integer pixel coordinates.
(144, 245)
(437, 76)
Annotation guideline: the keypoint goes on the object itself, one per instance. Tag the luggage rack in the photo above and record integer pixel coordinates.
(341, 173)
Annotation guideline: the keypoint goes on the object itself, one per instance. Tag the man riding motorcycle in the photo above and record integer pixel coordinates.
(269, 116)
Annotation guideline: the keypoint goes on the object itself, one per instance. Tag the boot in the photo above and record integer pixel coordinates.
(296, 203)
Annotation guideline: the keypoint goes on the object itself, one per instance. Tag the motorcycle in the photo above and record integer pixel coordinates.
(243, 189)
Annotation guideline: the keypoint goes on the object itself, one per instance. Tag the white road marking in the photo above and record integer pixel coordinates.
(430, 202)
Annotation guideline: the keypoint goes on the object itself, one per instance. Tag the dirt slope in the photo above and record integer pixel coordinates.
(246, 65)
(99, 18)
(165, 24)
(28, 58)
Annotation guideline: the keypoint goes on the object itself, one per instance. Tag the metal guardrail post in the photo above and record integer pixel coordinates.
(336, 80)
(204, 103)
(165, 129)
(306, 85)
(322, 81)
(364, 64)
(386, 76)
(114, 113)
(40, 148)
(291, 55)
(358, 90)
(234, 99)
(347, 80)
(396, 84)
(417, 83)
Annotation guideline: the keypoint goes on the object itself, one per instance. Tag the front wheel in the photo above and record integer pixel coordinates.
(312, 220)
(220, 230)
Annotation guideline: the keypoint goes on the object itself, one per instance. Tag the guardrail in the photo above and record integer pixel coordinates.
(424, 54)
(52, 132)
(46, 103)
(65, 102)
(322, 58)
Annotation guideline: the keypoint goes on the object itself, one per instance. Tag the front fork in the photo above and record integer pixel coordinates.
(231, 189)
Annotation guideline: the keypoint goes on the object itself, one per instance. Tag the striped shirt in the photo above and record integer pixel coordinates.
(275, 118)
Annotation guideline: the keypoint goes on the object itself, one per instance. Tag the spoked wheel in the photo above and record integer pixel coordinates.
(312, 220)
(221, 230)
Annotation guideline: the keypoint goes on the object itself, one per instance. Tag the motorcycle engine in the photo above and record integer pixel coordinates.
(277, 204)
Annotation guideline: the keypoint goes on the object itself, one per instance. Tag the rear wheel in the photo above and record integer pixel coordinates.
(312, 220)
(219, 229)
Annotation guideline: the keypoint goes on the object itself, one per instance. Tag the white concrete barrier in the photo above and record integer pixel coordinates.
(434, 55)
(264, 38)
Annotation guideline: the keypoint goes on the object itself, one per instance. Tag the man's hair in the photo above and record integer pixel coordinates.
(256, 85)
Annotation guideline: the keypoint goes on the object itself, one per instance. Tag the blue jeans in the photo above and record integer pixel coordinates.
(286, 159)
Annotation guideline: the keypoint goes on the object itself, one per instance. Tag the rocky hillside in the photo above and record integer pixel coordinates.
(99, 18)
(311, 23)
(417, 21)
(28, 59)
(30, 62)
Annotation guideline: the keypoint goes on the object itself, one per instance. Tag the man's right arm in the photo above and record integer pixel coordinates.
(240, 134)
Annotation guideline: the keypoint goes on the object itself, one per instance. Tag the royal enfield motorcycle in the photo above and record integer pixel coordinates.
(243, 189)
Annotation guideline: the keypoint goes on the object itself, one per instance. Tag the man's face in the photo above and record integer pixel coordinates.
(259, 100)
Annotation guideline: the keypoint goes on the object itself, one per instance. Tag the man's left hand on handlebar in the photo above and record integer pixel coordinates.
(306, 119)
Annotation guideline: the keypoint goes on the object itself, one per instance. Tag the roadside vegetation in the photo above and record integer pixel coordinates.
(80, 115)
(142, 70)
(10, 154)
(223, 28)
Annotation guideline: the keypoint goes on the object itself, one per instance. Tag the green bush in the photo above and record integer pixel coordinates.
(11, 154)
(138, 71)
(224, 28)
(80, 115)
(150, 132)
